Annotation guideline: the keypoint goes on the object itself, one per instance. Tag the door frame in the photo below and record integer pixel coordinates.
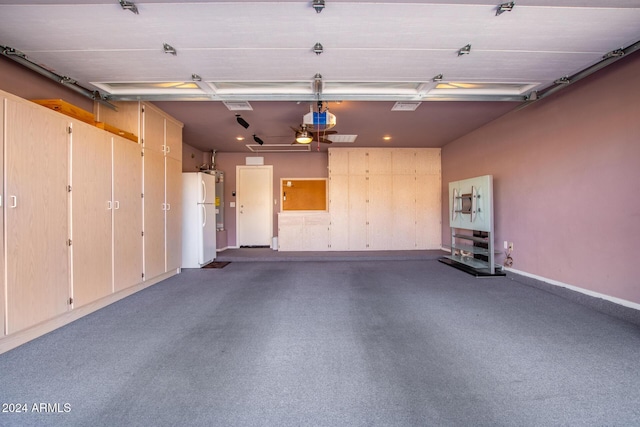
(239, 191)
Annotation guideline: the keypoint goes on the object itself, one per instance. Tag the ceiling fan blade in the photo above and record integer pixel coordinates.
(326, 141)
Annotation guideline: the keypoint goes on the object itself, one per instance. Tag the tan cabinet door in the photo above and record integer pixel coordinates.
(91, 209)
(173, 139)
(153, 129)
(154, 209)
(2, 203)
(36, 214)
(173, 213)
(127, 213)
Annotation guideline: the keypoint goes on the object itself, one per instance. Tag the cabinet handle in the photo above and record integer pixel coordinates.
(14, 203)
(168, 149)
(0, 200)
(168, 206)
(116, 204)
(164, 206)
(109, 205)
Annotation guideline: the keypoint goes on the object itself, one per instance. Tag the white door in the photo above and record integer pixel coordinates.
(254, 205)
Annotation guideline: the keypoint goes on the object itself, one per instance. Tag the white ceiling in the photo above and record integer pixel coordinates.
(267, 48)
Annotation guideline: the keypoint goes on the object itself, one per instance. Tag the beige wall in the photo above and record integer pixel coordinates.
(566, 181)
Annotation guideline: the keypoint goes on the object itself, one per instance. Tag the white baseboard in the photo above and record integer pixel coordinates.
(21, 337)
(609, 298)
(223, 249)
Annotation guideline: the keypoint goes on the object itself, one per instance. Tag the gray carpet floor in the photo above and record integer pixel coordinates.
(360, 343)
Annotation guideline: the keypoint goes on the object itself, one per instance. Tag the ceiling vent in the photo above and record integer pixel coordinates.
(278, 148)
(405, 106)
(238, 105)
(342, 139)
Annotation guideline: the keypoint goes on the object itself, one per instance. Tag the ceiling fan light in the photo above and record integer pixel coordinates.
(303, 137)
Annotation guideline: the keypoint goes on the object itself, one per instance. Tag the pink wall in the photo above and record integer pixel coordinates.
(285, 165)
(566, 181)
(28, 84)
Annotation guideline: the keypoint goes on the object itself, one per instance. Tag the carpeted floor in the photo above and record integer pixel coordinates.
(359, 343)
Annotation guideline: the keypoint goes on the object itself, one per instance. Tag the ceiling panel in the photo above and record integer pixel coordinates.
(374, 43)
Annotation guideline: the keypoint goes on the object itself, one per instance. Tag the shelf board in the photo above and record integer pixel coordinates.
(468, 248)
(472, 238)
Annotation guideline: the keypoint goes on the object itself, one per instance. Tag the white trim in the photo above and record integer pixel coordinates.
(223, 249)
(615, 300)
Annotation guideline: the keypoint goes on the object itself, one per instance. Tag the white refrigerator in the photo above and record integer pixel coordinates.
(199, 219)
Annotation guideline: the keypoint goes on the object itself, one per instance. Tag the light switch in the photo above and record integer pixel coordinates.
(232, 204)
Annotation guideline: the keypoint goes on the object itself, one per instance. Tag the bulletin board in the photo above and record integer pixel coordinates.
(303, 194)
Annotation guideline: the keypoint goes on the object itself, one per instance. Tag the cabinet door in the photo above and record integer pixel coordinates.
(153, 129)
(338, 162)
(357, 215)
(316, 232)
(91, 213)
(403, 161)
(154, 209)
(403, 211)
(126, 118)
(2, 202)
(36, 214)
(173, 213)
(339, 212)
(290, 229)
(127, 213)
(379, 162)
(380, 220)
(358, 164)
(428, 212)
(173, 139)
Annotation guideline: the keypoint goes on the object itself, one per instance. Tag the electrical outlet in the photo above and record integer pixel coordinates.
(506, 244)
(511, 246)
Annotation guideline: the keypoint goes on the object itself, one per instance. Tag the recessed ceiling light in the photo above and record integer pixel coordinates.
(240, 138)
(386, 138)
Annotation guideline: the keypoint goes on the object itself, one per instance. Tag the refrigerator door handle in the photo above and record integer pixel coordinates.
(204, 192)
(204, 215)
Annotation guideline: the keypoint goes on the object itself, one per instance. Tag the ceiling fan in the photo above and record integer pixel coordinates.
(305, 136)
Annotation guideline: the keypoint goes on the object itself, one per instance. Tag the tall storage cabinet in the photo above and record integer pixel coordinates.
(162, 142)
(72, 216)
(36, 214)
(127, 213)
(382, 199)
(91, 222)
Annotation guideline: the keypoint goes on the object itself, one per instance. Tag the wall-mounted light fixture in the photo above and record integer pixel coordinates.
(242, 121)
(318, 5)
(169, 49)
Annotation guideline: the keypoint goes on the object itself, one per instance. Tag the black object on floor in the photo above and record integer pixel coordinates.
(473, 271)
(217, 264)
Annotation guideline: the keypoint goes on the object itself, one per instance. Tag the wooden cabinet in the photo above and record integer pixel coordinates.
(162, 138)
(173, 212)
(91, 222)
(381, 199)
(127, 214)
(303, 231)
(154, 203)
(36, 214)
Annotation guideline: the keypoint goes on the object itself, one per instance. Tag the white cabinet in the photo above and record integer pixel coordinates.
(36, 214)
(303, 231)
(381, 199)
